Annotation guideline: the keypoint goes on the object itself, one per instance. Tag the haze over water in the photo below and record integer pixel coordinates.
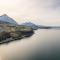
(44, 44)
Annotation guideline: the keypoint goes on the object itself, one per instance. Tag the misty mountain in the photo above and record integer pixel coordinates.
(6, 19)
(34, 26)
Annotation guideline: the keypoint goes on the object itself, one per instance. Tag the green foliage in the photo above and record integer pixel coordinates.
(22, 28)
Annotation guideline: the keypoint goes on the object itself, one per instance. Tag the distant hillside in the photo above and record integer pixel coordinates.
(32, 25)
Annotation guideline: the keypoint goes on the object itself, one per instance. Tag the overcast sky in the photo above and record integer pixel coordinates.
(37, 11)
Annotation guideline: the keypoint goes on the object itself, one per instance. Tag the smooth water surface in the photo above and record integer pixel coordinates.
(44, 45)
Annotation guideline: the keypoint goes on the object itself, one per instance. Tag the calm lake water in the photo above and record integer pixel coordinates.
(44, 45)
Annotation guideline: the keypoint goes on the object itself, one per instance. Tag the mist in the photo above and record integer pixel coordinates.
(38, 11)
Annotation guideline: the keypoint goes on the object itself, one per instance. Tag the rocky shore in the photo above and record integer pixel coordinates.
(10, 33)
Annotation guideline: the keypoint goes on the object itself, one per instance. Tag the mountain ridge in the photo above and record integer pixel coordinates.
(5, 18)
(30, 24)
(34, 26)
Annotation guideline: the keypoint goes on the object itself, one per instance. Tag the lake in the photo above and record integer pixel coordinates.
(44, 45)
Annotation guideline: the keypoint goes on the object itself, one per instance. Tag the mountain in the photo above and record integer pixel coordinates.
(32, 25)
(6, 19)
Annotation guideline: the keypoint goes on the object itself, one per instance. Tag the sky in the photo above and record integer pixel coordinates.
(38, 11)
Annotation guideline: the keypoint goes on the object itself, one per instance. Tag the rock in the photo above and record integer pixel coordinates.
(12, 33)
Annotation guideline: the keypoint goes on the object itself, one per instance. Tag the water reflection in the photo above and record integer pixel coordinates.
(44, 45)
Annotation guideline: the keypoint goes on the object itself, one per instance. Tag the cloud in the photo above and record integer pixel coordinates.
(56, 4)
(38, 11)
(47, 10)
